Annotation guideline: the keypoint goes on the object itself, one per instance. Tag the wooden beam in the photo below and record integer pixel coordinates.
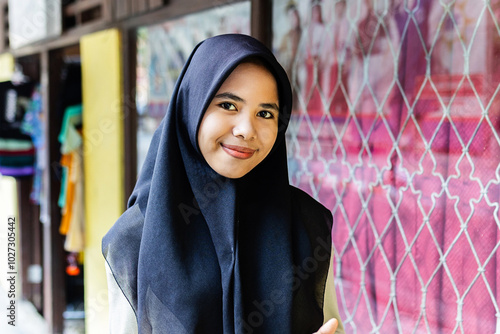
(129, 51)
(37, 259)
(3, 27)
(107, 10)
(71, 37)
(24, 227)
(53, 252)
(29, 241)
(80, 6)
(139, 6)
(122, 9)
(173, 9)
(261, 21)
(153, 4)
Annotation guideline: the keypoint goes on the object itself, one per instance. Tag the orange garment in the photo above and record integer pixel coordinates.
(70, 195)
(75, 233)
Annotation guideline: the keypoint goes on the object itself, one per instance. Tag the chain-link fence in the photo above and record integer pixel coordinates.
(396, 129)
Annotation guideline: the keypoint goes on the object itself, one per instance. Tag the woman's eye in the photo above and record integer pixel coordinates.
(227, 106)
(265, 114)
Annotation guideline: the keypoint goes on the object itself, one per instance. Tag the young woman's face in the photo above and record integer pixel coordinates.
(240, 125)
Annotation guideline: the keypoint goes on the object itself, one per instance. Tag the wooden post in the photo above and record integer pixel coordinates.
(24, 224)
(139, 6)
(4, 31)
(54, 302)
(261, 21)
(122, 9)
(129, 51)
(155, 4)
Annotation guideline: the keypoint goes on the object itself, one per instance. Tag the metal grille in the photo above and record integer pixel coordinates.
(396, 130)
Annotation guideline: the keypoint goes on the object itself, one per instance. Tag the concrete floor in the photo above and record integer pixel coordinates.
(29, 321)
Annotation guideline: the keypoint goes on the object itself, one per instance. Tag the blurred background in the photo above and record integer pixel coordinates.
(395, 129)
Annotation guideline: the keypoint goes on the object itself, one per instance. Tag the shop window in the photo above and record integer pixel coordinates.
(396, 129)
(161, 52)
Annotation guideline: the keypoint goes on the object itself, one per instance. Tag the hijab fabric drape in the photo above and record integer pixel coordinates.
(196, 252)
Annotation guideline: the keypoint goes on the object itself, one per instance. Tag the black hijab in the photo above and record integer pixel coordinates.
(196, 252)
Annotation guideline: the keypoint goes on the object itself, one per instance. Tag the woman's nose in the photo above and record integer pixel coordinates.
(245, 127)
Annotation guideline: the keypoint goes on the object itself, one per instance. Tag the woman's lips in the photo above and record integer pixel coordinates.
(238, 152)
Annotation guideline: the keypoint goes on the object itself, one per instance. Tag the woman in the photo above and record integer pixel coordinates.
(214, 239)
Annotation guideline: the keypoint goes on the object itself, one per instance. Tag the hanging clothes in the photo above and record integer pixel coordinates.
(33, 125)
(17, 152)
(16, 157)
(71, 195)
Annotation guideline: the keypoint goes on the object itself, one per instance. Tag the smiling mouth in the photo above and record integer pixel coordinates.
(238, 152)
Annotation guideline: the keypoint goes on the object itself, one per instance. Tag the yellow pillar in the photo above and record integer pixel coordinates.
(6, 66)
(103, 162)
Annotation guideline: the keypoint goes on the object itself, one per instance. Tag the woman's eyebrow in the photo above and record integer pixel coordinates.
(228, 95)
(270, 106)
(231, 96)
